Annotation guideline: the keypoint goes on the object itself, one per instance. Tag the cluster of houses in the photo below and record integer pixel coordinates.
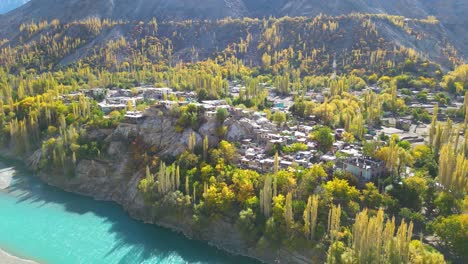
(118, 99)
(254, 149)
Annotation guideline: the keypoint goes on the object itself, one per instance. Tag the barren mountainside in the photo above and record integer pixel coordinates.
(453, 23)
(450, 11)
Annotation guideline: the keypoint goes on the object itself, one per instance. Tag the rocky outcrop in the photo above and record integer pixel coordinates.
(210, 130)
(159, 131)
(238, 130)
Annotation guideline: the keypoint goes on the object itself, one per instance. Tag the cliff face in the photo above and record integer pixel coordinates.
(114, 179)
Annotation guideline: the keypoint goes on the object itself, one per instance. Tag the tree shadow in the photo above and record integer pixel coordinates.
(135, 242)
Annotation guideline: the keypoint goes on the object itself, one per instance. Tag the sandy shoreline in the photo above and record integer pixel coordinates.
(6, 176)
(6, 258)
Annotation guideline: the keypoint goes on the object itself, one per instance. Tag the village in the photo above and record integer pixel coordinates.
(256, 151)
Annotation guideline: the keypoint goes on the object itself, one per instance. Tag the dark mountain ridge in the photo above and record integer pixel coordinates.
(448, 11)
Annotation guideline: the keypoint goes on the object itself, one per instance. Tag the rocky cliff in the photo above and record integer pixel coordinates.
(114, 178)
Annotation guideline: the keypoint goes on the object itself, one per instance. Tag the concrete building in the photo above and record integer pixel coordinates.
(107, 108)
(168, 104)
(156, 93)
(210, 114)
(364, 168)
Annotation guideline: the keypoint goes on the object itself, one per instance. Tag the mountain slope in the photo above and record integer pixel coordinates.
(453, 23)
(376, 43)
(450, 11)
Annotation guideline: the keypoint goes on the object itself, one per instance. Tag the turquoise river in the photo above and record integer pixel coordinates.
(47, 225)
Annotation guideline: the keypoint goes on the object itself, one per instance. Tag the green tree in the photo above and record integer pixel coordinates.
(371, 198)
(221, 115)
(218, 199)
(453, 231)
(340, 191)
(246, 222)
(420, 253)
(285, 181)
(244, 183)
(324, 138)
(279, 118)
(310, 180)
(225, 151)
(446, 203)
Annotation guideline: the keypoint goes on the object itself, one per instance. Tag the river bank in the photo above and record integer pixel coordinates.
(110, 179)
(6, 258)
(50, 225)
(6, 176)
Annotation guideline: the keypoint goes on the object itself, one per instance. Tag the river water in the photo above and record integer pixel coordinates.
(47, 225)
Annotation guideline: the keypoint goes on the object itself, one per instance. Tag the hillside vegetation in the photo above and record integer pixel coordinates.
(357, 42)
(450, 13)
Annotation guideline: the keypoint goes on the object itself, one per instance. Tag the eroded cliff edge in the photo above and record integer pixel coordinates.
(113, 177)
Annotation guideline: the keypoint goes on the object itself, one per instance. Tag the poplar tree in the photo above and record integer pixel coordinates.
(275, 169)
(266, 197)
(194, 194)
(374, 241)
(334, 215)
(205, 148)
(192, 141)
(162, 178)
(433, 126)
(74, 158)
(276, 164)
(334, 218)
(187, 185)
(177, 177)
(310, 216)
(168, 178)
(148, 173)
(453, 170)
(288, 212)
(172, 181)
